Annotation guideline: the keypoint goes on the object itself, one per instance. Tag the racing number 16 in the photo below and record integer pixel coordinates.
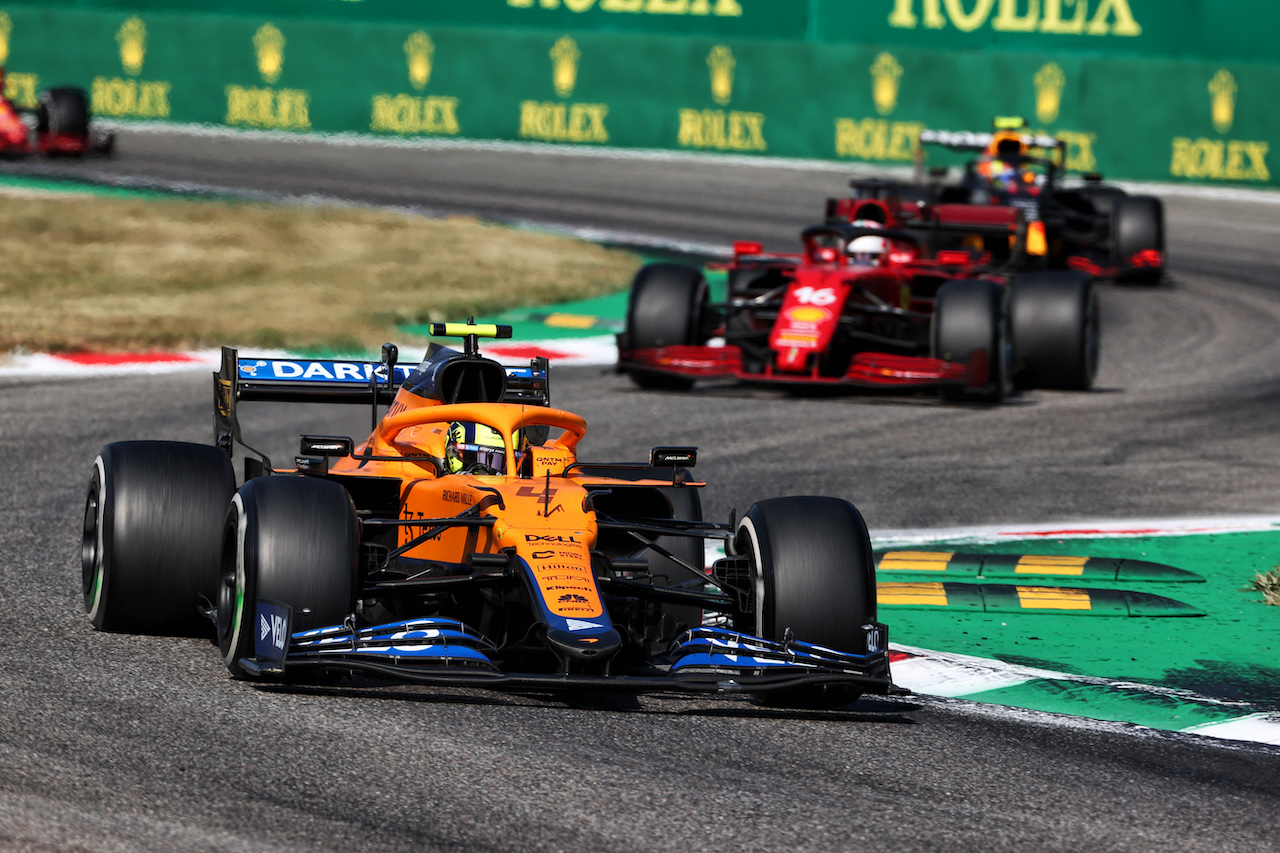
(820, 296)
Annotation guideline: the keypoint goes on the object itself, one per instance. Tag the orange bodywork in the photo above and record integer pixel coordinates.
(545, 515)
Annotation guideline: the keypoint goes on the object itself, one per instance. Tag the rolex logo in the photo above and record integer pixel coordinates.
(564, 66)
(6, 29)
(721, 63)
(1049, 82)
(132, 37)
(885, 74)
(1223, 88)
(268, 42)
(418, 50)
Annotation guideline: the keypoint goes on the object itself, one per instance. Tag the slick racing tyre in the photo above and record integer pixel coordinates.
(813, 573)
(1053, 319)
(1100, 196)
(152, 527)
(1137, 225)
(63, 110)
(970, 320)
(291, 540)
(668, 307)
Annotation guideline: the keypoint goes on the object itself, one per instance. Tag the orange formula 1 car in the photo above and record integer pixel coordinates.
(59, 126)
(463, 542)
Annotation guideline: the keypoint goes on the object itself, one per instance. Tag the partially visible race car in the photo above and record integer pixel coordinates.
(465, 543)
(1087, 225)
(872, 302)
(59, 126)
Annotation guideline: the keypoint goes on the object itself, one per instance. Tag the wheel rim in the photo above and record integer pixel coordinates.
(231, 585)
(91, 562)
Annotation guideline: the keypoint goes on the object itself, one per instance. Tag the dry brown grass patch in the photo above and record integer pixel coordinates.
(110, 274)
(1268, 584)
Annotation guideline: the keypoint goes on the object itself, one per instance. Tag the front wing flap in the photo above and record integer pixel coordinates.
(448, 652)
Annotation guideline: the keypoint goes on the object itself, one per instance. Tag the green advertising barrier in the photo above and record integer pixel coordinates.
(1122, 113)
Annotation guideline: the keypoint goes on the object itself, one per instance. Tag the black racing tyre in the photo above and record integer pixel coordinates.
(1137, 225)
(1054, 324)
(813, 573)
(152, 528)
(1100, 196)
(63, 110)
(289, 539)
(668, 307)
(970, 316)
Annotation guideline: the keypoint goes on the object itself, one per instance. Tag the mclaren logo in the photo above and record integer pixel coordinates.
(418, 50)
(721, 63)
(132, 38)
(268, 43)
(885, 74)
(1049, 82)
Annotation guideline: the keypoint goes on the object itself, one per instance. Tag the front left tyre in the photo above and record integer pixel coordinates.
(291, 540)
(667, 307)
(813, 574)
(970, 325)
(152, 529)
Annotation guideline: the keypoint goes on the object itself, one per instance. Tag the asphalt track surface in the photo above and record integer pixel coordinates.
(111, 742)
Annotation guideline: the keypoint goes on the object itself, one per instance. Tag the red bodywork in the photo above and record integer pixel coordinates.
(18, 138)
(823, 289)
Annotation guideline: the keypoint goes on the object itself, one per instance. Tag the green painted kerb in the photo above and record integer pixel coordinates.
(1232, 652)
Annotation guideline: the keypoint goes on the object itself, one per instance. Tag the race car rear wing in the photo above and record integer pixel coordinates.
(966, 140)
(318, 380)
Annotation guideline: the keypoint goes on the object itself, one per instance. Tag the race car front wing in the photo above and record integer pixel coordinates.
(866, 369)
(443, 651)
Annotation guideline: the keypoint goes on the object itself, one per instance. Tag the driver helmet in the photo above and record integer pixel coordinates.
(866, 251)
(475, 448)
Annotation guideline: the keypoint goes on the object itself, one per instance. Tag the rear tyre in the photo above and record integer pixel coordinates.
(288, 539)
(970, 320)
(63, 110)
(1053, 316)
(813, 572)
(1137, 225)
(667, 308)
(152, 527)
(1101, 196)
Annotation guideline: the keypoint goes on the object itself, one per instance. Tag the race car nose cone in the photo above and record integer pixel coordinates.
(584, 646)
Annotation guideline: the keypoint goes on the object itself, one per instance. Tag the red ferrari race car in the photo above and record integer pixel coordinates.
(60, 125)
(872, 304)
(1086, 225)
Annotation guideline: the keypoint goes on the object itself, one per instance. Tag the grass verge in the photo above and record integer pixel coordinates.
(87, 273)
(1268, 584)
